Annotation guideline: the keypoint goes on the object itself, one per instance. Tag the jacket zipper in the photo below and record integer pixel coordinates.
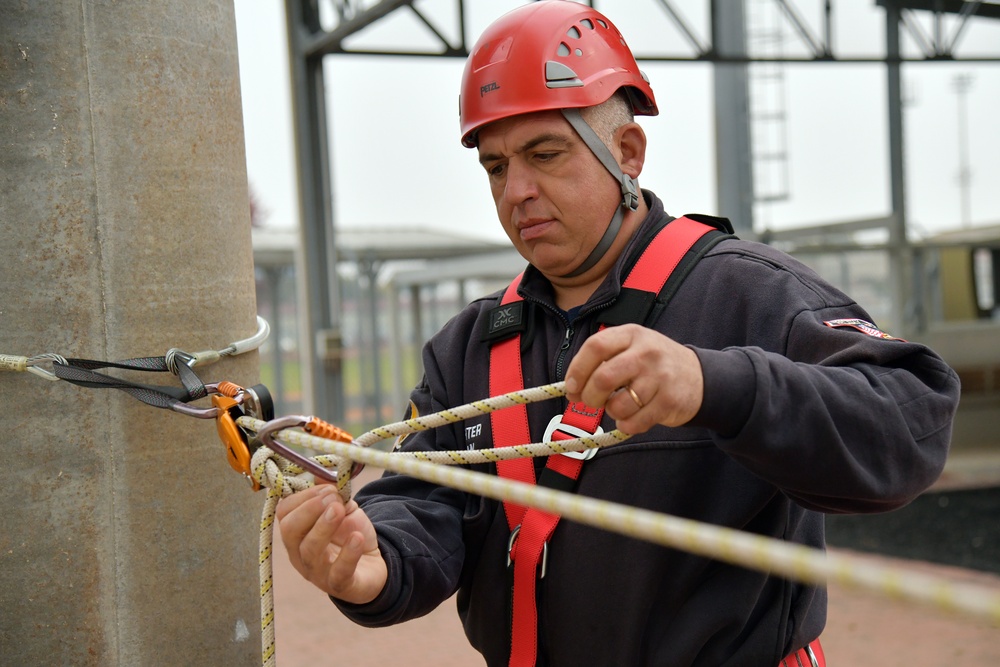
(570, 332)
(563, 349)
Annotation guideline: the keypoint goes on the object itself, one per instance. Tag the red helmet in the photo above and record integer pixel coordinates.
(551, 54)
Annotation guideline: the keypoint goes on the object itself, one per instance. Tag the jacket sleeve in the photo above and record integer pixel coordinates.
(839, 419)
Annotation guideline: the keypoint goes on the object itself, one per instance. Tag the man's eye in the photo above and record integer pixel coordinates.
(495, 170)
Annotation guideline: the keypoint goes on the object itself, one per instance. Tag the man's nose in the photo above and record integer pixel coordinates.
(521, 185)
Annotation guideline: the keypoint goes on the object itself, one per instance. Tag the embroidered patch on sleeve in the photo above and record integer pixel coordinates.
(862, 326)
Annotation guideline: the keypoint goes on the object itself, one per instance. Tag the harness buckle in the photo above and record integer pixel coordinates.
(510, 551)
(556, 425)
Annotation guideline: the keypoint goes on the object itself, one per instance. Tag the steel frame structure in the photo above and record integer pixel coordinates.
(321, 28)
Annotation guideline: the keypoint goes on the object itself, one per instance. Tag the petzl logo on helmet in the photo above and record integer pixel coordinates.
(488, 88)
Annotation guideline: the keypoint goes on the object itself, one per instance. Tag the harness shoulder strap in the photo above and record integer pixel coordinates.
(530, 528)
(643, 305)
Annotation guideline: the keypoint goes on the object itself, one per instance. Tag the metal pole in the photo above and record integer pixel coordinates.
(399, 388)
(962, 84)
(322, 307)
(274, 276)
(732, 117)
(417, 317)
(124, 231)
(371, 269)
(905, 309)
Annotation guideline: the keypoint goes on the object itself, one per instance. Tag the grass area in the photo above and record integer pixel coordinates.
(356, 421)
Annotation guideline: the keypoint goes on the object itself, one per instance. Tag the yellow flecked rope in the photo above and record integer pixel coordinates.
(792, 561)
(281, 479)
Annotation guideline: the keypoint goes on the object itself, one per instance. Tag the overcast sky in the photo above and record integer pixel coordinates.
(397, 159)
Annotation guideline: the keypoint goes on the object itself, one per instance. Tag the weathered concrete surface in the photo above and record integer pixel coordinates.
(125, 538)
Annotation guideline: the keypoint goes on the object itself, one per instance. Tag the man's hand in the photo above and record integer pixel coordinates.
(332, 545)
(665, 376)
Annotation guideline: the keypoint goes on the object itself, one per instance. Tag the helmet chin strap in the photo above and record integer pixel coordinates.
(630, 189)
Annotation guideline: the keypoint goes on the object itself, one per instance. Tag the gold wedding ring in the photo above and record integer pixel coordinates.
(635, 397)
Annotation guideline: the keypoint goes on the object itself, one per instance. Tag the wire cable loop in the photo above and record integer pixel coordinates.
(206, 357)
(10, 362)
(172, 356)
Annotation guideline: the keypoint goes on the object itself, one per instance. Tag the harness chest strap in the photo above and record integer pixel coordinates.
(531, 528)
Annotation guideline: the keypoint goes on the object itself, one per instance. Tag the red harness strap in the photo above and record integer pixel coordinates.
(531, 528)
(807, 656)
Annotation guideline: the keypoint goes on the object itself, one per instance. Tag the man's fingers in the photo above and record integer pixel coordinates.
(290, 503)
(304, 532)
(314, 547)
(604, 366)
(343, 566)
(639, 376)
(630, 416)
(589, 377)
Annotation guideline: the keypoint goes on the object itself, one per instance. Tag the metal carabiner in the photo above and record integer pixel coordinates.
(266, 438)
(213, 412)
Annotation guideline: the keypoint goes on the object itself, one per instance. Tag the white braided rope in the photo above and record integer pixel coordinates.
(462, 412)
(792, 561)
(474, 456)
(281, 479)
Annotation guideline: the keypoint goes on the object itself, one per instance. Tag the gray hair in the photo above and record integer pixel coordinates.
(607, 117)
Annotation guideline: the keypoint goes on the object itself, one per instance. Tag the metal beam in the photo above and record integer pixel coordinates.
(989, 10)
(313, 159)
(734, 165)
(309, 41)
(325, 42)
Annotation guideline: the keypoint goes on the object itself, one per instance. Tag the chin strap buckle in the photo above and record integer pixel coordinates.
(630, 192)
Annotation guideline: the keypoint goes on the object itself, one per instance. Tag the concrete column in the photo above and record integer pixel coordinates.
(125, 538)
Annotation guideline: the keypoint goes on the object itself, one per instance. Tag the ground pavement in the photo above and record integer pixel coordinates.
(863, 628)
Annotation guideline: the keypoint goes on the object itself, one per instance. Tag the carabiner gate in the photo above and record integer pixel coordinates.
(265, 435)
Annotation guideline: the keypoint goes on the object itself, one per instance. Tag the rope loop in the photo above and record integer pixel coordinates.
(270, 470)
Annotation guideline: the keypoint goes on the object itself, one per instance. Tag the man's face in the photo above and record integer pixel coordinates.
(553, 197)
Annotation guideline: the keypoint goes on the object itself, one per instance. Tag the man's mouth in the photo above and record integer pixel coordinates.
(533, 227)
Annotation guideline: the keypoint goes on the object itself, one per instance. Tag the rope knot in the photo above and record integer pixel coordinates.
(273, 471)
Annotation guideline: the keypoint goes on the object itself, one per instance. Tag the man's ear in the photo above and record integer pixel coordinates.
(631, 141)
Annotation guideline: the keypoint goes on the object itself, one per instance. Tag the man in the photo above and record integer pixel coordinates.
(760, 397)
